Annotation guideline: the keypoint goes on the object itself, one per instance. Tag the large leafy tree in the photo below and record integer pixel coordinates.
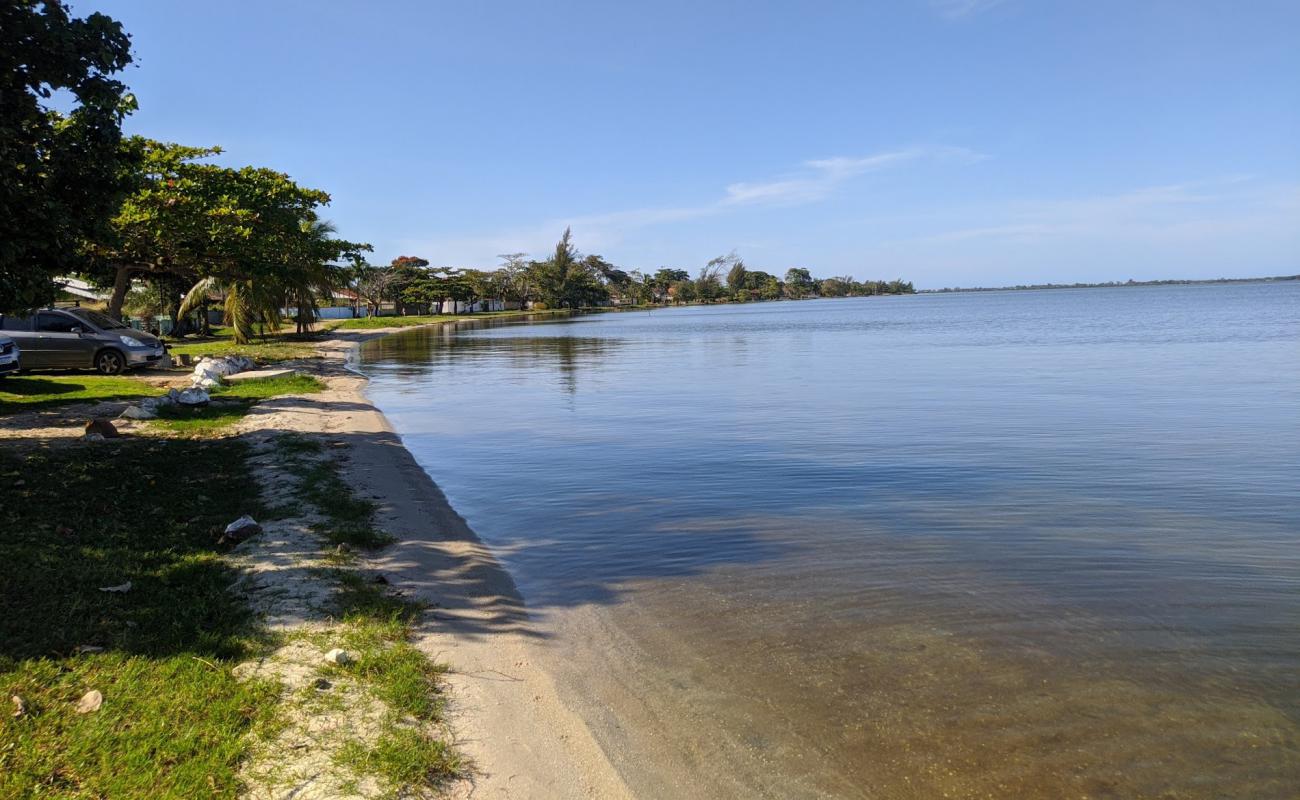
(60, 175)
(566, 280)
(251, 237)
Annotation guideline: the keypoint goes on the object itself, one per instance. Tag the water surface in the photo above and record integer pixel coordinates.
(1029, 544)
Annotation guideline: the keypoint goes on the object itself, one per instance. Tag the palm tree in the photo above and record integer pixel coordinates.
(299, 281)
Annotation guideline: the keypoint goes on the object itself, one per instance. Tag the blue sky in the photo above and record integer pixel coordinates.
(949, 142)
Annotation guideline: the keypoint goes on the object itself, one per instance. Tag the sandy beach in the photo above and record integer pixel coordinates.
(505, 710)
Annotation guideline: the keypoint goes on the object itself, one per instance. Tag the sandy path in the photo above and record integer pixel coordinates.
(506, 712)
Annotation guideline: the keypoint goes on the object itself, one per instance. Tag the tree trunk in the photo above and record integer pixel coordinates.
(121, 285)
(180, 325)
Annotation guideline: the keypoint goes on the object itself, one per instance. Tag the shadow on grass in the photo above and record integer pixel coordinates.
(29, 393)
(74, 520)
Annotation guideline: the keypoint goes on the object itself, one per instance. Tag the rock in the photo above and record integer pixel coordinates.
(121, 588)
(239, 530)
(90, 702)
(207, 383)
(339, 656)
(20, 705)
(93, 437)
(102, 427)
(322, 684)
(172, 396)
(139, 412)
(193, 397)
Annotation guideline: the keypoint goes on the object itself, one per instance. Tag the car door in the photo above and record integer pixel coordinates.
(21, 330)
(59, 345)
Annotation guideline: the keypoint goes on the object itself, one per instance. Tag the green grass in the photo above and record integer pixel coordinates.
(32, 393)
(351, 519)
(274, 346)
(404, 756)
(211, 419)
(175, 721)
(375, 628)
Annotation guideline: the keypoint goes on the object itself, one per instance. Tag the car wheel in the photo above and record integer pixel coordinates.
(110, 362)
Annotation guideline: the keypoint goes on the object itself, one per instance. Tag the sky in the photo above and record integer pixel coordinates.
(946, 142)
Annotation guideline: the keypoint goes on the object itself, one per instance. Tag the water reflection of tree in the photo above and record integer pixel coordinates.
(426, 351)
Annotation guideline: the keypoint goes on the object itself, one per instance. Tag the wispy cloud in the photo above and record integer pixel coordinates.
(811, 182)
(1148, 209)
(960, 9)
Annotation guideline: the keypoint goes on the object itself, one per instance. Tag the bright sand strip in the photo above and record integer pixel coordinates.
(506, 713)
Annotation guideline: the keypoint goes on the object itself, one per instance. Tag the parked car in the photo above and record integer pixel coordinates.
(9, 356)
(78, 338)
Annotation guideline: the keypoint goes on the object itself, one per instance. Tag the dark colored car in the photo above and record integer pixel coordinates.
(78, 338)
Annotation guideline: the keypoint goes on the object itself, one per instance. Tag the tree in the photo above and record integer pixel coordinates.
(567, 281)
(734, 268)
(61, 177)
(515, 279)
(663, 280)
(408, 274)
(798, 283)
(371, 283)
(708, 286)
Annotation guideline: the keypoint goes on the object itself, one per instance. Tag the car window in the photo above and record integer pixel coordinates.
(56, 323)
(100, 320)
(9, 322)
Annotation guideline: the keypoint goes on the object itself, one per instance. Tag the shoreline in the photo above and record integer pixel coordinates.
(505, 711)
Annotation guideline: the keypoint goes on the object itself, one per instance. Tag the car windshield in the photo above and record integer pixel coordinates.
(97, 319)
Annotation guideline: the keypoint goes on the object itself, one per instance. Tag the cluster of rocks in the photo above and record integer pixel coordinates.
(209, 371)
(148, 408)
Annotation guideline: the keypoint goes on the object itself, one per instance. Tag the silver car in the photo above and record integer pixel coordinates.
(8, 356)
(78, 338)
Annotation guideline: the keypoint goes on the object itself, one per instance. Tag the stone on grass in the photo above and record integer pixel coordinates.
(139, 412)
(20, 705)
(93, 437)
(239, 530)
(121, 588)
(102, 427)
(193, 397)
(339, 656)
(90, 702)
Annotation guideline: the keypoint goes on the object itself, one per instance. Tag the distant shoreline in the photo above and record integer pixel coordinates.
(1107, 285)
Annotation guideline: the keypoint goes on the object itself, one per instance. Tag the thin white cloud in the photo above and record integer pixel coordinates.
(1147, 208)
(814, 181)
(960, 9)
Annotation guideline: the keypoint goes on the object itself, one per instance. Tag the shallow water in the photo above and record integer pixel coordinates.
(1031, 544)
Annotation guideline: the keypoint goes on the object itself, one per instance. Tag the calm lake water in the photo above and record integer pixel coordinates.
(1012, 544)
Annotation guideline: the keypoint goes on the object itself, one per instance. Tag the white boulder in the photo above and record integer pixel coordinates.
(139, 412)
(193, 397)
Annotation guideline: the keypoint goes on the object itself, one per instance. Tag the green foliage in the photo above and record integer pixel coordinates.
(798, 283)
(251, 236)
(60, 177)
(565, 280)
(175, 720)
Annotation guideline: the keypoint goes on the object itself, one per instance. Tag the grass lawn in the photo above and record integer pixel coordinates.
(206, 420)
(34, 392)
(174, 721)
(274, 346)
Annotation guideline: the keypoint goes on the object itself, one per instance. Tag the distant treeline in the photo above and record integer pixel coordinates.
(1108, 284)
(568, 279)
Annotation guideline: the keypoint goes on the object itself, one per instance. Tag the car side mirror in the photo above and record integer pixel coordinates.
(77, 330)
